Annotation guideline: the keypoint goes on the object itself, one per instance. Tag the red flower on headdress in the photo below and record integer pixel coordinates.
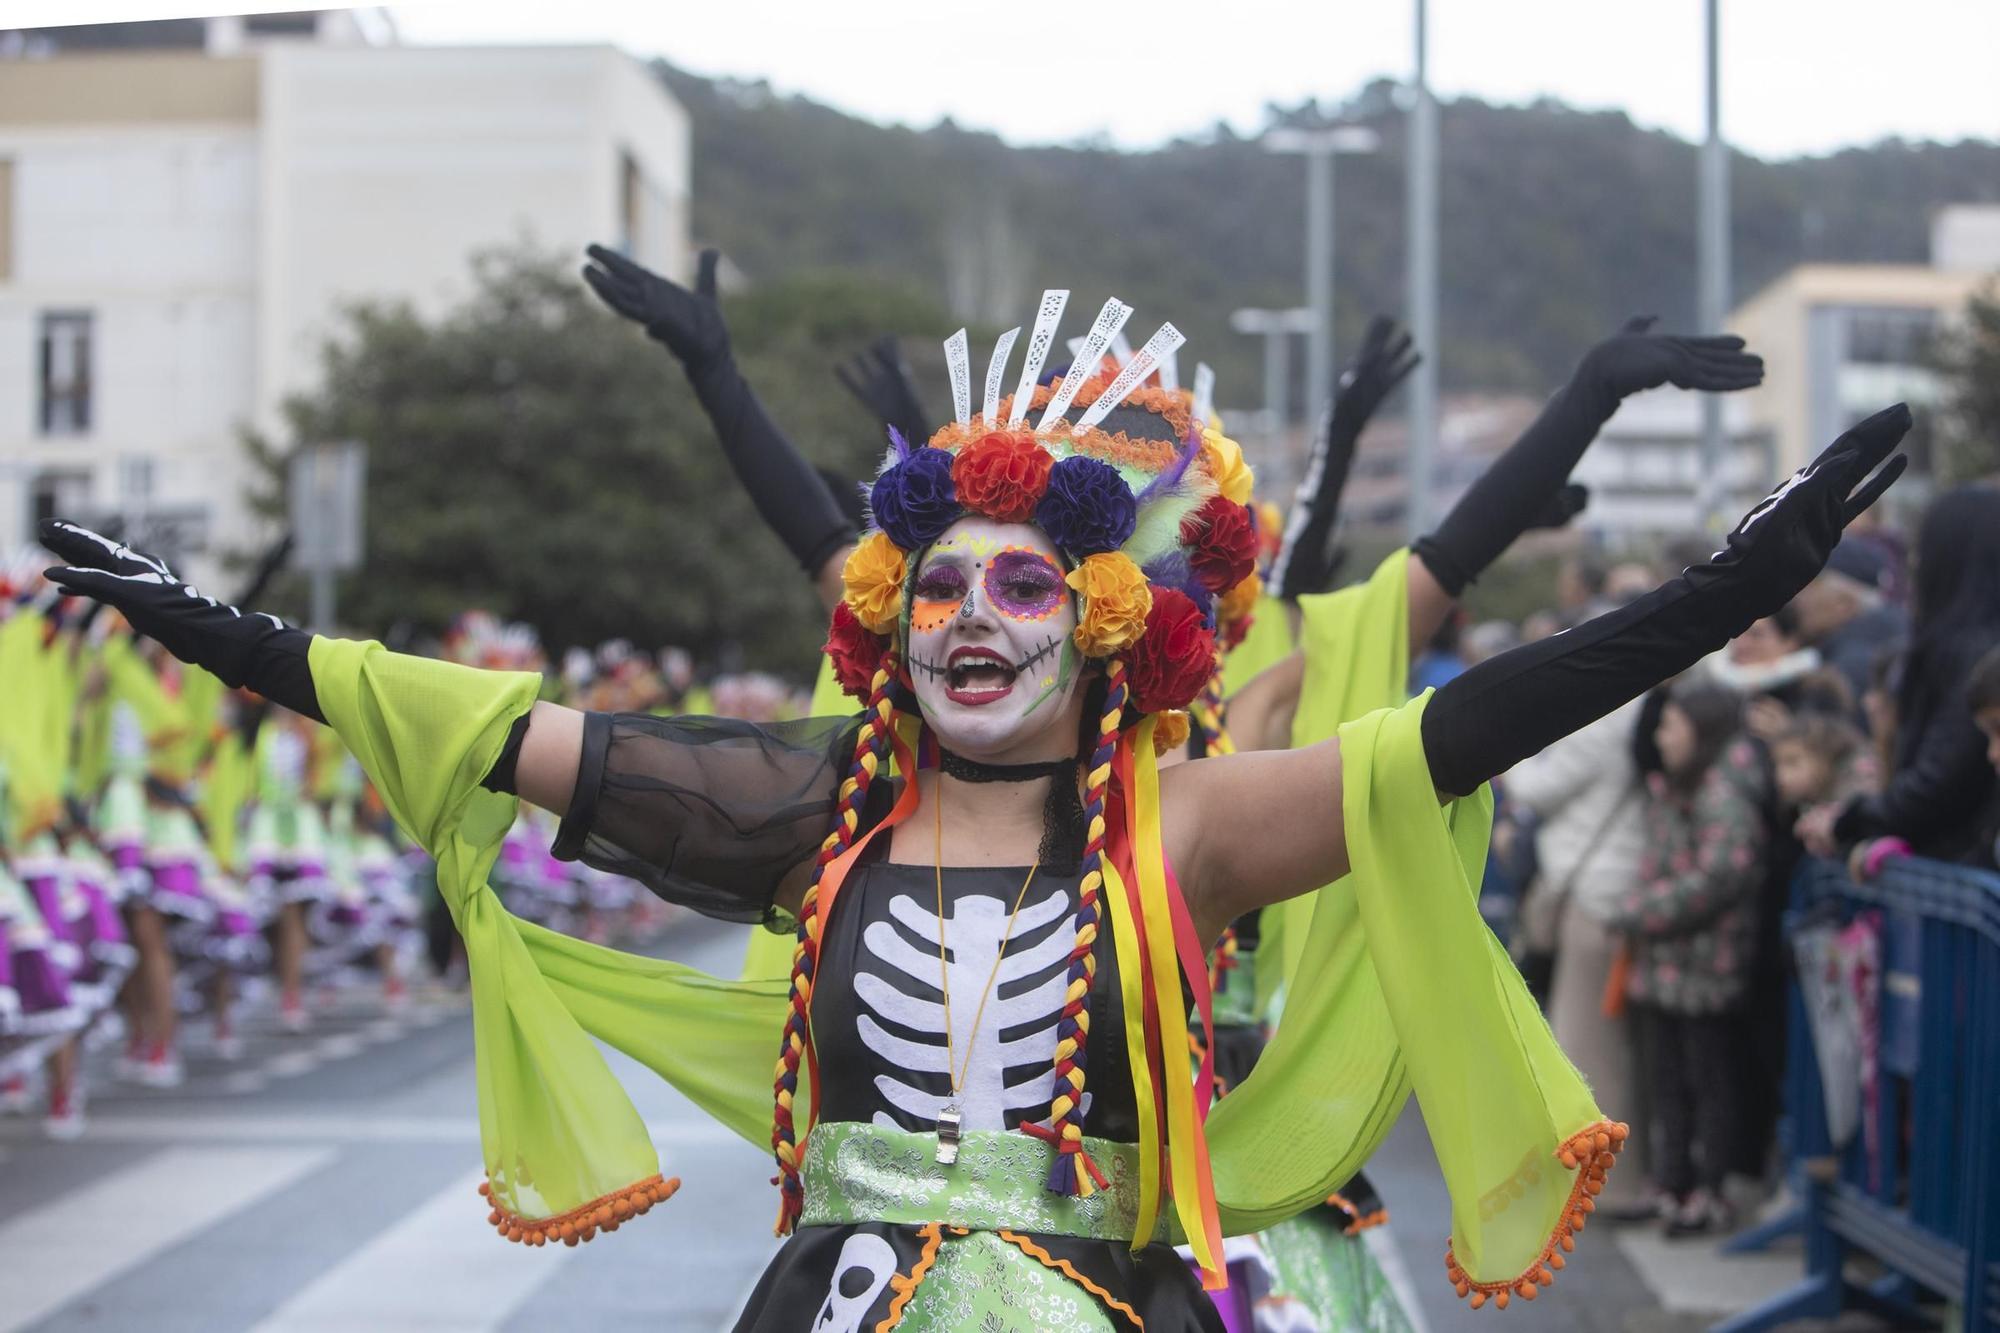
(1174, 657)
(1221, 542)
(856, 652)
(1002, 476)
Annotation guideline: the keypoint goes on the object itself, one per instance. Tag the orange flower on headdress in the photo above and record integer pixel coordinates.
(873, 580)
(1170, 730)
(1115, 603)
(1223, 458)
(1002, 475)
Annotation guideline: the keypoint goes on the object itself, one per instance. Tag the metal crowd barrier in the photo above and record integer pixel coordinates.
(1920, 1195)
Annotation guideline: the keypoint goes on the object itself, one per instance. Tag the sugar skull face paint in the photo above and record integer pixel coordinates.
(989, 641)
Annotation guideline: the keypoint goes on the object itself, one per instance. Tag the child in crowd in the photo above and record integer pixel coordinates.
(1820, 757)
(1691, 925)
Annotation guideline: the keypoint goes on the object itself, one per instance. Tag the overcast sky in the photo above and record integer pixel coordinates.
(1799, 76)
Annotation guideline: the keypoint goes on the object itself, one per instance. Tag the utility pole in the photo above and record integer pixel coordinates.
(1276, 327)
(1712, 252)
(1420, 209)
(1319, 147)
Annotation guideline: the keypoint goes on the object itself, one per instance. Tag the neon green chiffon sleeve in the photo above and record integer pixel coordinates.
(565, 1151)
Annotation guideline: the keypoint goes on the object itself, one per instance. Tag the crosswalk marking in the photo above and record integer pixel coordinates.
(200, 1126)
(438, 1269)
(89, 1236)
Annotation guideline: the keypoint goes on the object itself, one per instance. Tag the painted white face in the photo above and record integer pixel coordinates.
(991, 655)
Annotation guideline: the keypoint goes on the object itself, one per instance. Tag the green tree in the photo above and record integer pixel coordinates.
(534, 455)
(1969, 357)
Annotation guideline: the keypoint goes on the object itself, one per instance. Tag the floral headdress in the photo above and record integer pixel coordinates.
(1147, 502)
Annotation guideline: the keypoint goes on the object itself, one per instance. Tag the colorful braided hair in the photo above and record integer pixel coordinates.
(1065, 1128)
(871, 748)
(1149, 509)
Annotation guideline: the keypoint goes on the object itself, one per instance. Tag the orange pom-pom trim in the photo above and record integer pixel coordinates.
(1358, 1221)
(1590, 1152)
(578, 1224)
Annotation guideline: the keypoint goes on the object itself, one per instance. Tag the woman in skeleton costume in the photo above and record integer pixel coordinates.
(982, 1069)
(1362, 632)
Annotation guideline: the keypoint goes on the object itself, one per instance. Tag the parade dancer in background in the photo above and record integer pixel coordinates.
(1027, 581)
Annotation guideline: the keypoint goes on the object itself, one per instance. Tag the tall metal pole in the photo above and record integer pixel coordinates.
(1319, 274)
(1276, 372)
(1712, 239)
(321, 589)
(1420, 206)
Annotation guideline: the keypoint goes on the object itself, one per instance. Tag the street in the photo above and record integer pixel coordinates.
(327, 1182)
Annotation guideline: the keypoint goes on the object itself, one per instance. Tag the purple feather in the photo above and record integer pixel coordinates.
(899, 444)
(1174, 570)
(1166, 481)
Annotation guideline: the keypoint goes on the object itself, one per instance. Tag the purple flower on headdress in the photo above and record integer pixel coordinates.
(914, 501)
(1174, 570)
(1088, 509)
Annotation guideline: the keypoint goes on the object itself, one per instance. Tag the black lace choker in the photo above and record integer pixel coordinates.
(973, 770)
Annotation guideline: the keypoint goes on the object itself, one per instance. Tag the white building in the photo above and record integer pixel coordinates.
(186, 206)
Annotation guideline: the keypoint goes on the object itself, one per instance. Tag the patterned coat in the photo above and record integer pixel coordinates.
(1692, 916)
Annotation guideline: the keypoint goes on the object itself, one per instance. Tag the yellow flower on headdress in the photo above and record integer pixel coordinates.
(1223, 457)
(873, 579)
(1240, 600)
(1115, 602)
(1170, 730)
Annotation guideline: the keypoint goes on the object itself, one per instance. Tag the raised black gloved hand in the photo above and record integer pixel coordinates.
(245, 650)
(1515, 491)
(789, 495)
(1510, 706)
(881, 379)
(1307, 558)
(689, 323)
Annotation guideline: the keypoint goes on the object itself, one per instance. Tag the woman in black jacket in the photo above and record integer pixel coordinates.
(1941, 782)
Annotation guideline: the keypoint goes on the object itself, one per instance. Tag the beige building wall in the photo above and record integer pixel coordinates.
(1798, 402)
(213, 213)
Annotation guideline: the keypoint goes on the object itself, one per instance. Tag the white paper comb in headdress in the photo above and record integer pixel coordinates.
(1109, 321)
(1204, 394)
(1163, 342)
(1047, 316)
(959, 362)
(989, 407)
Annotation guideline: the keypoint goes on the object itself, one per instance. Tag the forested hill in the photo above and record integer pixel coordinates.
(1556, 223)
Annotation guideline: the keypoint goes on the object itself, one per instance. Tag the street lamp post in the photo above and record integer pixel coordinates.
(1421, 206)
(1712, 261)
(328, 486)
(1319, 147)
(1275, 326)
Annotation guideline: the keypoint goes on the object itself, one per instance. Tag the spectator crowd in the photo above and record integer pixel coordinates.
(1642, 866)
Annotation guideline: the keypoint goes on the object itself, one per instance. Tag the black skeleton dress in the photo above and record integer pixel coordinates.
(710, 813)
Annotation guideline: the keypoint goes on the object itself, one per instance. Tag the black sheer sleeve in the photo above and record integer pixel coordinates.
(707, 812)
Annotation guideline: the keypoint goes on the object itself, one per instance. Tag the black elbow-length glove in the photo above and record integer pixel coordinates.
(245, 650)
(1526, 487)
(880, 378)
(1503, 710)
(787, 491)
(1308, 559)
